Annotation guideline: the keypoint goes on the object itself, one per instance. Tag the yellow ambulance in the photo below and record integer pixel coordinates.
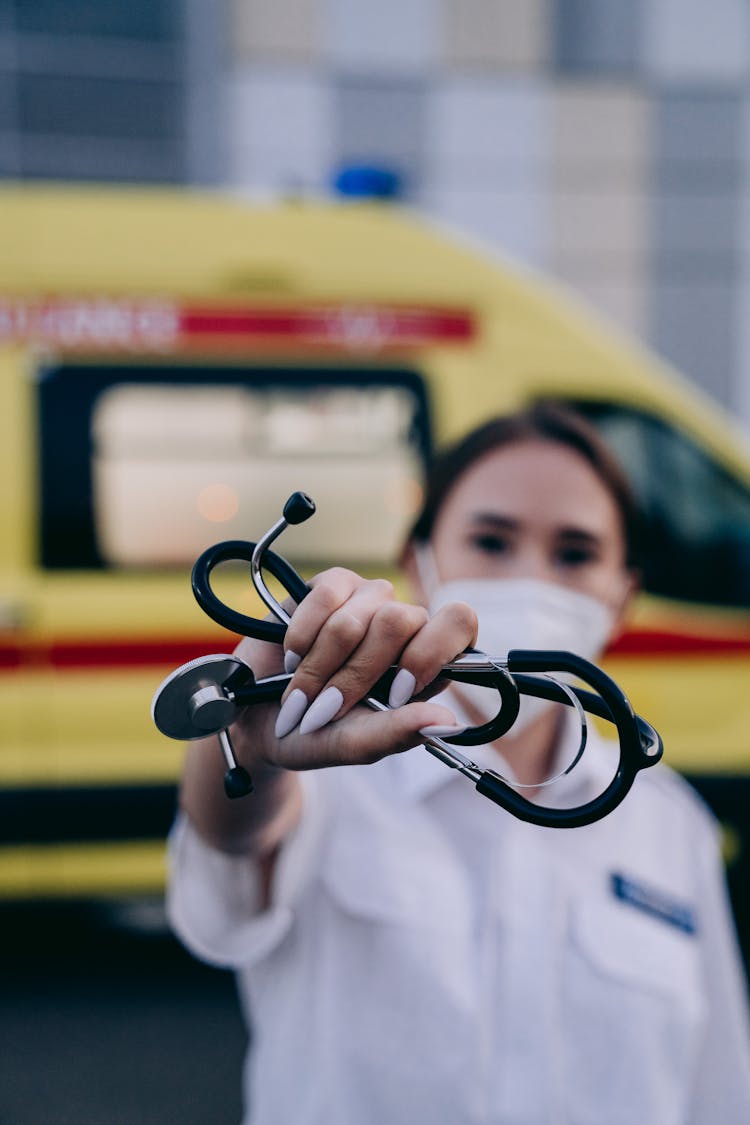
(173, 365)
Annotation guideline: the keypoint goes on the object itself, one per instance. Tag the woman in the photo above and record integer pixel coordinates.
(408, 952)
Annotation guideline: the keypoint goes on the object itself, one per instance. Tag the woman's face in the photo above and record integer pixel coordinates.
(534, 509)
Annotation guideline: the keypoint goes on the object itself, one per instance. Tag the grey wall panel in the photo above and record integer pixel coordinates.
(695, 218)
(697, 141)
(690, 230)
(382, 121)
(597, 36)
(205, 110)
(694, 328)
(102, 159)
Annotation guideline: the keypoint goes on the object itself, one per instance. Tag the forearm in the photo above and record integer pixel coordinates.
(256, 824)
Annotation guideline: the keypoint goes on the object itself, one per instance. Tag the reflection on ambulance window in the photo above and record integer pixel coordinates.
(697, 516)
(176, 462)
(146, 465)
(176, 468)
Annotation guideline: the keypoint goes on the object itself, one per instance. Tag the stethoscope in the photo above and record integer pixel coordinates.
(205, 696)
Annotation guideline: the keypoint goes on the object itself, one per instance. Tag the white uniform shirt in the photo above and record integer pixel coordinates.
(427, 959)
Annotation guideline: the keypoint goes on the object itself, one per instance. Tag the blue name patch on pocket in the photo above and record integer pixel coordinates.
(656, 903)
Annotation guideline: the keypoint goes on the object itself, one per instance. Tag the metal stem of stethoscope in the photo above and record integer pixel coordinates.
(256, 572)
(298, 508)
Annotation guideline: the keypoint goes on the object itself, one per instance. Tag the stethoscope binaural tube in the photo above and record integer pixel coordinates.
(240, 550)
(298, 508)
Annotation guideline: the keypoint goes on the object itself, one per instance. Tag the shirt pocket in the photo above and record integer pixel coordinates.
(409, 880)
(397, 943)
(631, 1014)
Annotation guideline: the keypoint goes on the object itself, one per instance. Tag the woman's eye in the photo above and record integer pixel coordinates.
(576, 556)
(491, 544)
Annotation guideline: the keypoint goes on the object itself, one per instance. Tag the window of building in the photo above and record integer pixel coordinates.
(104, 91)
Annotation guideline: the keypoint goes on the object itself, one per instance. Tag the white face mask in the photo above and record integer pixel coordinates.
(522, 613)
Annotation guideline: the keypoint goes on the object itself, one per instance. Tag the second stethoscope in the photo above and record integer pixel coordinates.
(205, 696)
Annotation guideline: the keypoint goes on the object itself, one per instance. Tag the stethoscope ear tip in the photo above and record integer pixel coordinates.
(298, 508)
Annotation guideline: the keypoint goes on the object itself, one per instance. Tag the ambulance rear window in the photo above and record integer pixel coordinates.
(147, 467)
(697, 542)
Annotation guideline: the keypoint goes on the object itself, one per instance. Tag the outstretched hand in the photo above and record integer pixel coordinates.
(341, 640)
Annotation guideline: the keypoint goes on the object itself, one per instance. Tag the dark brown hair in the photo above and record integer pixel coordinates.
(546, 421)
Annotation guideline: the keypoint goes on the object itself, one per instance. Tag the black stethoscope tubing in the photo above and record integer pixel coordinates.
(640, 744)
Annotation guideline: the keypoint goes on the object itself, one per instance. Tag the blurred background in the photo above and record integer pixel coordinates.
(604, 143)
(601, 145)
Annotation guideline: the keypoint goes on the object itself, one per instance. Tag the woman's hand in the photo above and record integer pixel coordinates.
(342, 638)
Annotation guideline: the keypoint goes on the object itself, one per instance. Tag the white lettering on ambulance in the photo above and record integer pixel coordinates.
(97, 324)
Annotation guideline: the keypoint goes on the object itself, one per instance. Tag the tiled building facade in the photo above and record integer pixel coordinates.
(603, 142)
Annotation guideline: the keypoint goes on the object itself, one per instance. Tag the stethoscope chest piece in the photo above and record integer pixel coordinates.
(194, 701)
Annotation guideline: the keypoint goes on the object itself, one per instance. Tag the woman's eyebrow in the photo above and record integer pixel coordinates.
(580, 534)
(570, 533)
(496, 520)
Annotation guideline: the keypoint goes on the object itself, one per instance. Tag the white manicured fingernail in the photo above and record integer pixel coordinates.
(438, 731)
(291, 662)
(290, 713)
(321, 710)
(402, 688)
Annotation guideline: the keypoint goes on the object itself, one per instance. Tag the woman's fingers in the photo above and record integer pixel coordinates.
(338, 672)
(331, 591)
(361, 737)
(391, 626)
(357, 640)
(444, 636)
